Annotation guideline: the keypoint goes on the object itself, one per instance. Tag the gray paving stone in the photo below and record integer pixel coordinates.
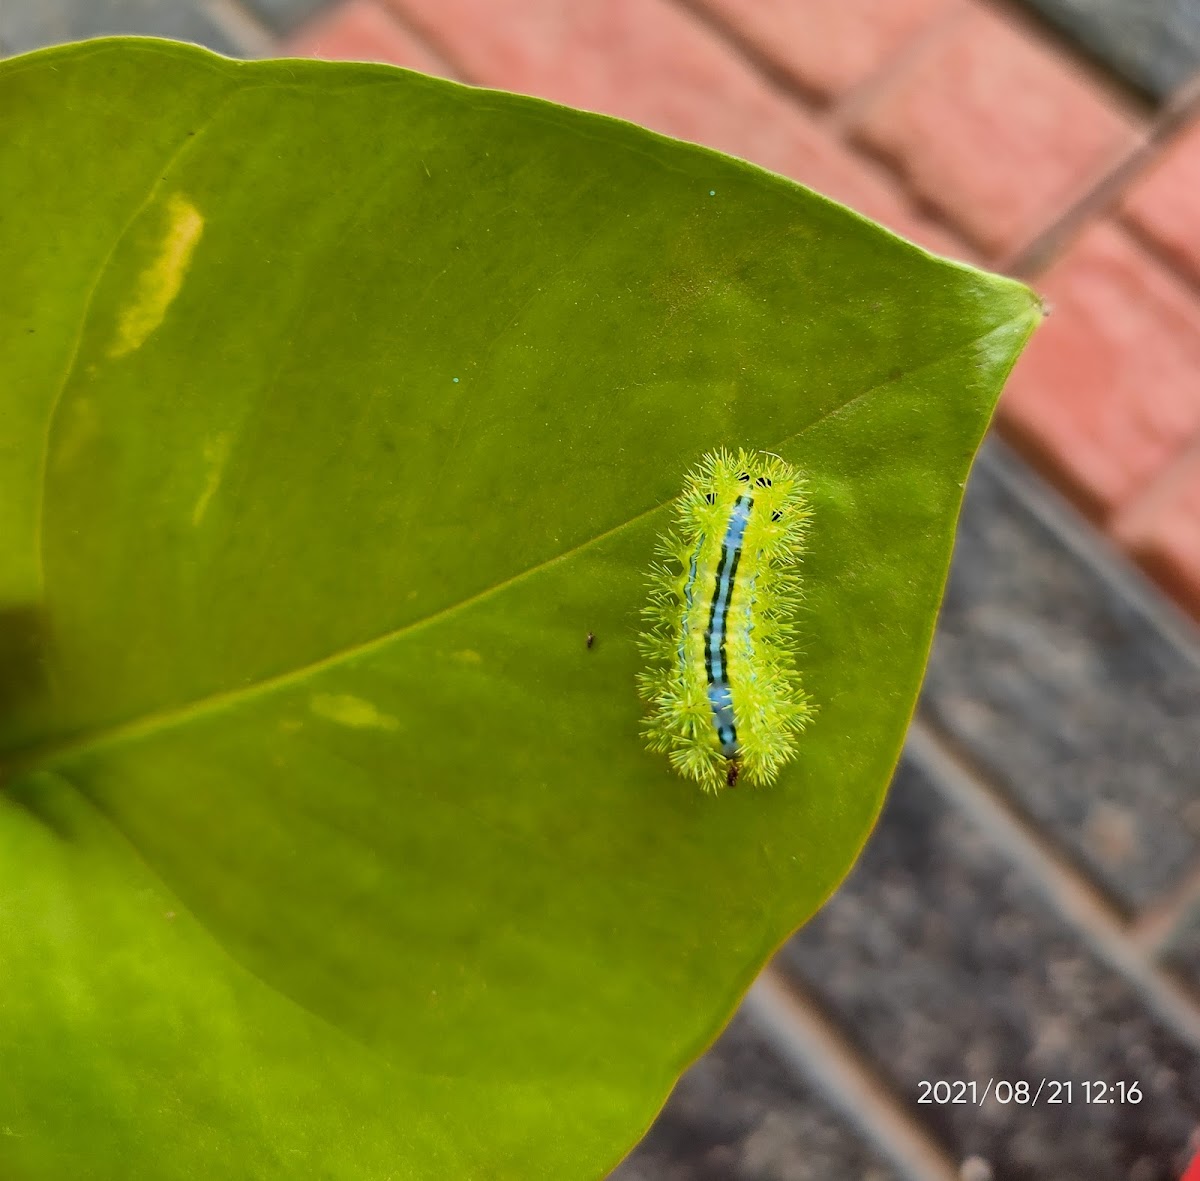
(1061, 686)
(285, 16)
(740, 1115)
(1153, 44)
(31, 24)
(941, 963)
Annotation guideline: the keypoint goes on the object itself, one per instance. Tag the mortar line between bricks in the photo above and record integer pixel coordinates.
(847, 108)
(427, 36)
(813, 1047)
(770, 69)
(823, 113)
(1070, 894)
(1098, 552)
(1094, 69)
(1184, 101)
(892, 166)
(1103, 196)
(1047, 842)
(1129, 522)
(1151, 246)
(241, 26)
(448, 67)
(1151, 929)
(1036, 256)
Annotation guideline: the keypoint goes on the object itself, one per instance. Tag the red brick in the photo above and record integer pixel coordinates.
(652, 63)
(994, 129)
(1165, 205)
(1106, 391)
(361, 30)
(828, 46)
(1168, 542)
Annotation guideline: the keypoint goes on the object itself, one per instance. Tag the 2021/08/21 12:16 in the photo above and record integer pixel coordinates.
(1046, 1091)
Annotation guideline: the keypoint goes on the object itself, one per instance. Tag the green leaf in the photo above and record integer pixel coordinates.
(340, 405)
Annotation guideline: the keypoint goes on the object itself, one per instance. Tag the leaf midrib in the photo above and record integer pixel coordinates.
(48, 754)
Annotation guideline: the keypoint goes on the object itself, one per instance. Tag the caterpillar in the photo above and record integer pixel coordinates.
(725, 697)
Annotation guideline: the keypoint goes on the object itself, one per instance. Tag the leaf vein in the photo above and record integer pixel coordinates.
(174, 716)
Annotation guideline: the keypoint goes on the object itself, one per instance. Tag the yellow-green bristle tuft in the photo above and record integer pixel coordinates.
(728, 569)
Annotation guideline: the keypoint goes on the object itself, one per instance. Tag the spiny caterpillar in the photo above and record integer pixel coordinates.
(723, 688)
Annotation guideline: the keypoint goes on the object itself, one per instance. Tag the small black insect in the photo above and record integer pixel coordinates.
(591, 638)
(731, 776)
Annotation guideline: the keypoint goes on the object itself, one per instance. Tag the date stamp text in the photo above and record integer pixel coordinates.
(1025, 1093)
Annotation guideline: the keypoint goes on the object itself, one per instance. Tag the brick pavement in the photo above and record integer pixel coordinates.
(1030, 904)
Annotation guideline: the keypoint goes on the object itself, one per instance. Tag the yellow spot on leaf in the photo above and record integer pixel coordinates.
(466, 656)
(159, 283)
(216, 452)
(348, 710)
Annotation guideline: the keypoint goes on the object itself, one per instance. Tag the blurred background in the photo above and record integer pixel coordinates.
(1028, 909)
